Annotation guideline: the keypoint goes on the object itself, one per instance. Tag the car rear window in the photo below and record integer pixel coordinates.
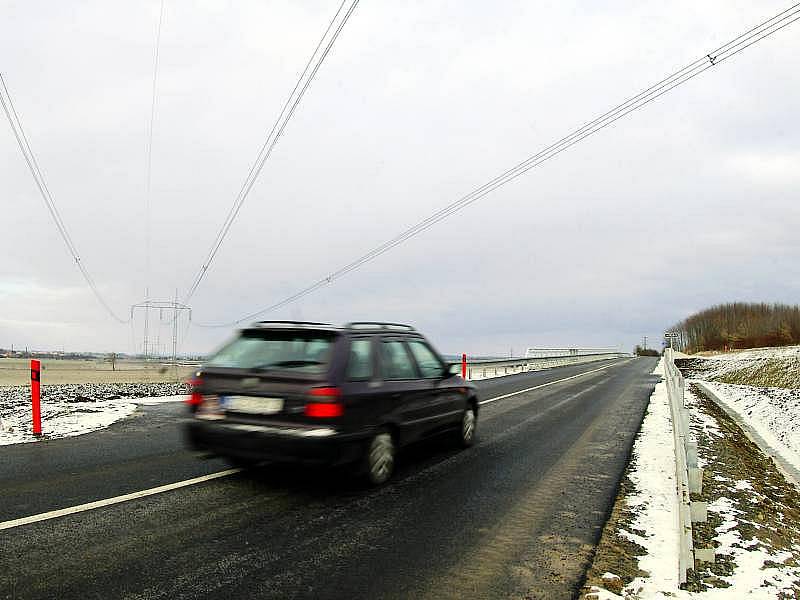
(297, 351)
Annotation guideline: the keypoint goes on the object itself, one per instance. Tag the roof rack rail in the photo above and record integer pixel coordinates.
(378, 325)
(285, 323)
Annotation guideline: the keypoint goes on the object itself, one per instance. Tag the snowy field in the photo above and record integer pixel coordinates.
(75, 409)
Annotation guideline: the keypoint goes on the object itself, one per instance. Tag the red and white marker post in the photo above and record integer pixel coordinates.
(36, 378)
(464, 366)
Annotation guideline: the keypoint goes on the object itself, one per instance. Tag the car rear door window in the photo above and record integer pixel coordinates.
(429, 364)
(395, 361)
(359, 365)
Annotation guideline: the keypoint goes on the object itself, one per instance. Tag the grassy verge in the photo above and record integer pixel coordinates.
(768, 372)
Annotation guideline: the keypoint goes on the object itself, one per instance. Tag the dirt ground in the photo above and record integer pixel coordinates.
(16, 371)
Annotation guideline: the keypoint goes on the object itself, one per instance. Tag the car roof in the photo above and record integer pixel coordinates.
(353, 327)
(380, 326)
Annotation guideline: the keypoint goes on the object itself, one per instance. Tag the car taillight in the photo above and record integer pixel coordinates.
(195, 398)
(324, 403)
(324, 410)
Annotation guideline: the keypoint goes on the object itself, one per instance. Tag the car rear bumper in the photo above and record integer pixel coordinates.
(315, 446)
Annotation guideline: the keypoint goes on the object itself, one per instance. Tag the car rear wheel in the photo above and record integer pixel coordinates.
(242, 463)
(380, 458)
(469, 423)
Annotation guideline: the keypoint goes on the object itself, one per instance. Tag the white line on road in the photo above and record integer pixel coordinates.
(115, 500)
(537, 387)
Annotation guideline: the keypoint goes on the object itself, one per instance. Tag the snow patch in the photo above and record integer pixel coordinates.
(72, 409)
(752, 560)
(160, 400)
(655, 498)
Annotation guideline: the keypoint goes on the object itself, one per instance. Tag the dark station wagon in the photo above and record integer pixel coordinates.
(320, 394)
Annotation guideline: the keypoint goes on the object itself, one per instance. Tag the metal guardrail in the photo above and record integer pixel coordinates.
(483, 369)
(542, 352)
(688, 476)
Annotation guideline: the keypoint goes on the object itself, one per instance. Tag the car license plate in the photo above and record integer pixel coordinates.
(253, 405)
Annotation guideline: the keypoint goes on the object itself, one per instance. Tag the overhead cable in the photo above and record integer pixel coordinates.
(679, 77)
(149, 166)
(33, 165)
(327, 40)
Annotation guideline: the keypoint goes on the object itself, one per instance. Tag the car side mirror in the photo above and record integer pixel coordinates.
(452, 369)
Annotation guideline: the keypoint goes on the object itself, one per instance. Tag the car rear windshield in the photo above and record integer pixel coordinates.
(297, 351)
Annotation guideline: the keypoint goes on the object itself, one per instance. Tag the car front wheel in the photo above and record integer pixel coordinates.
(469, 423)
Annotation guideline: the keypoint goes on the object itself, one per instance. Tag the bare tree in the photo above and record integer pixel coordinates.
(740, 325)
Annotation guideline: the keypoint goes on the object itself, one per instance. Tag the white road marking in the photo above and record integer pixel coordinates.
(538, 387)
(53, 514)
(115, 500)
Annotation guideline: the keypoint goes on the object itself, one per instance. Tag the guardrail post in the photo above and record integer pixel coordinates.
(695, 476)
(36, 369)
(691, 454)
(699, 512)
(704, 554)
(684, 414)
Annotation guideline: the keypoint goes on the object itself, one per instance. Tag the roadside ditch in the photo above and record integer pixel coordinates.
(753, 522)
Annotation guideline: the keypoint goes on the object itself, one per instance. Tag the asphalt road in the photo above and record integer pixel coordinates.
(516, 516)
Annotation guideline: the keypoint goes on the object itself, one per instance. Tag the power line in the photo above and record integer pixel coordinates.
(683, 75)
(33, 165)
(149, 168)
(149, 180)
(289, 107)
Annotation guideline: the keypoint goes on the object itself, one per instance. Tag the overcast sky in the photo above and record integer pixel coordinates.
(686, 203)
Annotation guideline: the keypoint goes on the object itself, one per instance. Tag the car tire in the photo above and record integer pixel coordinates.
(468, 427)
(241, 463)
(379, 458)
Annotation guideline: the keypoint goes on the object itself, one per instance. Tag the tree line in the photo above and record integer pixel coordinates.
(640, 351)
(739, 325)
